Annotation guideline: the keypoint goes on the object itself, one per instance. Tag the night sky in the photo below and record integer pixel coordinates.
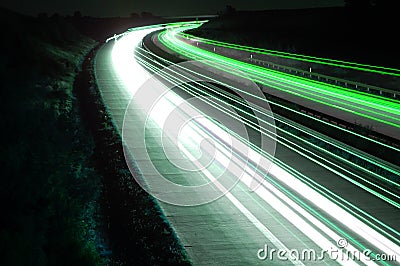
(107, 8)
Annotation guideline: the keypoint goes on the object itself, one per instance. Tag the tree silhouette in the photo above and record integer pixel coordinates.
(134, 15)
(43, 15)
(77, 14)
(146, 15)
(229, 9)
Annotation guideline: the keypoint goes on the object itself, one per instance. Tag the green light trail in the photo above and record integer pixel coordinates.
(335, 143)
(348, 131)
(305, 58)
(196, 51)
(319, 136)
(362, 105)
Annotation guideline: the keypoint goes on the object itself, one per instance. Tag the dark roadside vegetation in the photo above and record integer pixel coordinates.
(48, 186)
(67, 196)
(359, 32)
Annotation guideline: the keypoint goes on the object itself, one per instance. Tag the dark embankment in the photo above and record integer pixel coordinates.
(48, 187)
(67, 197)
(358, 35)
(139, 232)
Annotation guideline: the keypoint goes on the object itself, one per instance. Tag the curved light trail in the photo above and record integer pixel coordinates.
(367, 106)
(304, 58)
(314, 215)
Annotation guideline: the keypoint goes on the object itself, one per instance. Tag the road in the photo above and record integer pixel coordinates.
(284, 213)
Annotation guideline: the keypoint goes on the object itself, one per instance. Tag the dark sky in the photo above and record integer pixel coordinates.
(106, 8)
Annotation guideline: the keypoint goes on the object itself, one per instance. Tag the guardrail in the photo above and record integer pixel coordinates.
(329, 79)
(362, 87)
